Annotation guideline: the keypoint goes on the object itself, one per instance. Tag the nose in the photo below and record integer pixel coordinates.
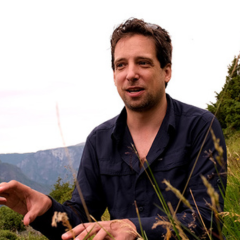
(132, 73)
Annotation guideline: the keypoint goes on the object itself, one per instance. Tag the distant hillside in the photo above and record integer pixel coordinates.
(10, 172)
(46, 166)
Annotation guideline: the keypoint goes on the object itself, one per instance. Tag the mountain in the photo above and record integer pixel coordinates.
(44, 167)
(10, 172)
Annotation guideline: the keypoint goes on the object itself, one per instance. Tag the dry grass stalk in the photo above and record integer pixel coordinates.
(230, 214)
(163, 222)
(178, 194)
(138, 215)
(70, 164)
(218, 148)
(215, 203)
(123, 225)
(177, 223)
(199, 214)
(62, 217)
(168, 234)
(101, 227)
(131, 229)
(212, 193)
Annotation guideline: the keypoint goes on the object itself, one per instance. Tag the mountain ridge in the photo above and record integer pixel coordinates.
(10, 172)
(46, 166)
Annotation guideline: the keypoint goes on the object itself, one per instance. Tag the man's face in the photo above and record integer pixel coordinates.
(138, 76)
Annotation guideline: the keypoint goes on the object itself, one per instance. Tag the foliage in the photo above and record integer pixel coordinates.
(231, 227)
(228, 101)
(10, 220)
(62, 191)
(6, 234)
(32, 236)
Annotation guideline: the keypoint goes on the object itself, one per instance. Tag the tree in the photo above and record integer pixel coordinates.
(228, 101)
(11, 220)
(62, 191)
(7, 235)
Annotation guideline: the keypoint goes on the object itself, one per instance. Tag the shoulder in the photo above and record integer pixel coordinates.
(188, 118)
(99, 141)
(190, 112)
(193, 123)
(105, 129)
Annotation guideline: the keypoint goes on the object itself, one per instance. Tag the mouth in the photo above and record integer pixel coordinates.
(134, 90)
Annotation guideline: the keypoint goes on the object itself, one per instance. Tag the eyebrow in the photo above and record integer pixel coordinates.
(137, 58)
(119, 60)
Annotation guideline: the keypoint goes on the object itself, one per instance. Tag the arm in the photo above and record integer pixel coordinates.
(89, 183)
(38, 209)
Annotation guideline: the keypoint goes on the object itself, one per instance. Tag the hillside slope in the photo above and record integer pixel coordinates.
(46, 166)
(10, 172)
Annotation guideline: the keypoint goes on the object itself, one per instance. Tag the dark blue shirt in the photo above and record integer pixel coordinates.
(110, 175)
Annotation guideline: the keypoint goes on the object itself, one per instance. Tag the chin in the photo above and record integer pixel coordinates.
(138, 107)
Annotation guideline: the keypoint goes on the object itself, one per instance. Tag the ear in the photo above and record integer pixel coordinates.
(168, 72)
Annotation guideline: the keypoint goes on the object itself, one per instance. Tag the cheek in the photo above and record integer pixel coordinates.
(119, 79)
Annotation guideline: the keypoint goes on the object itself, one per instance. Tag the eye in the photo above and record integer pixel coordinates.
(144, 63)
(119, 65)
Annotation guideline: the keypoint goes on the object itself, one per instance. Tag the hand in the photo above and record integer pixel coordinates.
(115, 229)
(24, 200)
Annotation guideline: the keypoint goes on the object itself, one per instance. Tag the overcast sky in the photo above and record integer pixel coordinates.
(58, 52)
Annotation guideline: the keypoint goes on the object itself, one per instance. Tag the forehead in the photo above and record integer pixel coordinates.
(134, 45)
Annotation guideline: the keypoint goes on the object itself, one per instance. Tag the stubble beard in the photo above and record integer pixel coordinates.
(149, 102)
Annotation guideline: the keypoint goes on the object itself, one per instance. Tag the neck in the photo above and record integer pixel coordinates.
(150, 119)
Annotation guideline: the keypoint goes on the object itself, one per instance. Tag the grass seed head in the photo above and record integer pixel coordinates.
(62, 217)
(178, 194)
(212, 193)
(218, 148)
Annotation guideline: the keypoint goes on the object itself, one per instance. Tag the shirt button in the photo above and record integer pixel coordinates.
(140, 209)
(218, 181)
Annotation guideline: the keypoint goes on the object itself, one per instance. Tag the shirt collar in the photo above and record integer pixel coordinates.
(120, 123)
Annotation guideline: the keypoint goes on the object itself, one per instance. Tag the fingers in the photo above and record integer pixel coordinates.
(2, 186)
(88, 232)
(102, 235)
(3, 200)
(7, 187)
(29, 217)
(37, 205)
(3, 194)
(75, 231)
(81, 231)
(116, 229)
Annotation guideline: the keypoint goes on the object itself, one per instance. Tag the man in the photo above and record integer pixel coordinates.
(152, 130)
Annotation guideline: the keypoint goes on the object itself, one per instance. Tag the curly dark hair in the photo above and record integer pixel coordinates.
(137, 26)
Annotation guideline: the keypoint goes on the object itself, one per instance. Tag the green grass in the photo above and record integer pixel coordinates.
(231, 227)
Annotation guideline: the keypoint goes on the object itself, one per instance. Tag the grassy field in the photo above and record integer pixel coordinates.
(231, 227)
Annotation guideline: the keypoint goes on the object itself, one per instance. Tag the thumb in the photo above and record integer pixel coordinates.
(28, 218)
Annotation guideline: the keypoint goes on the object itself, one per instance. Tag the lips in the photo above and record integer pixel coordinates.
(134, 92)
(136, 89)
